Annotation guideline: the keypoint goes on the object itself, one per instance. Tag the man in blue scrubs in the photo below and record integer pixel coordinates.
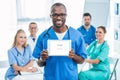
(87, 30)
(60, 67)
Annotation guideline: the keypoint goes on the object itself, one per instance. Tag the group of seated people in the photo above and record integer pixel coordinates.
(21, 59)
(97, 50)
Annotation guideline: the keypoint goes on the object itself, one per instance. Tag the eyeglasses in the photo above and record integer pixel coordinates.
(60, 15)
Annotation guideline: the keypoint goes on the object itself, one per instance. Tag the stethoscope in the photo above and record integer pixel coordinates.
(95, 44)
(47, 36)
(18, 53)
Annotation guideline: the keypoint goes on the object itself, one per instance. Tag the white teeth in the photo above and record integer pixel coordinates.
(58, 22)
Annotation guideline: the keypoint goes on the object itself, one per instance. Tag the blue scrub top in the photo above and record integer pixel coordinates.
(60, 67)
(15, 57)
(89, 35)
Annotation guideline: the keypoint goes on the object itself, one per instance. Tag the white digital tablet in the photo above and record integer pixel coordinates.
(59, 47)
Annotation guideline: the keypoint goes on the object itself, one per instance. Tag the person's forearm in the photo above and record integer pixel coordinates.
(95, 61)
(30, 64)
(41, 63)
(78, 59)
(17, 68)
(25, 68)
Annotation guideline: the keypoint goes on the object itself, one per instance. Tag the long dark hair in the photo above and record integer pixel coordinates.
(103, 28)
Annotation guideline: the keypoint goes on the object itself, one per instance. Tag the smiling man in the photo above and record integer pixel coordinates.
(60, 67)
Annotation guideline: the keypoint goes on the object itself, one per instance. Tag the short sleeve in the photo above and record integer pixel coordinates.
(11, 57)
(30, 53)
(38, 47)
(103, 53)
(81, 50)
(90, 48)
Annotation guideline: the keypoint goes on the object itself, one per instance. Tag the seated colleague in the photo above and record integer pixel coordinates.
(98, 52)
(87, 30)
(33, 37)
(19, 56)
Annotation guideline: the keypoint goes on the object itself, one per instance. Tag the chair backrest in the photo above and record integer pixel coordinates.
(4, 64)
(113, 64)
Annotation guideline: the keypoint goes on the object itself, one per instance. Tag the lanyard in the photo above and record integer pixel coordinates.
(48, 35)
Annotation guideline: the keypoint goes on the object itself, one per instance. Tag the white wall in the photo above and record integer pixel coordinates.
(115, 22)
(99, 11)
(7, 25)
(75, 10)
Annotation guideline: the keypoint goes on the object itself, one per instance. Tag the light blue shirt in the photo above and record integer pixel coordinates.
(60, 67)
(16, 57)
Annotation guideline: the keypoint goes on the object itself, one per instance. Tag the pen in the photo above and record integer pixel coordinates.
(19, 73)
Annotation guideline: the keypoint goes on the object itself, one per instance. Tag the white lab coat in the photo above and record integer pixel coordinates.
(31, 42)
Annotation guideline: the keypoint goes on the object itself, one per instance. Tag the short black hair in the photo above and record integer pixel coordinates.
(58, 4)
(87, 14)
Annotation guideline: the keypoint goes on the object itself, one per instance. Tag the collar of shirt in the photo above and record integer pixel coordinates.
(86, 29)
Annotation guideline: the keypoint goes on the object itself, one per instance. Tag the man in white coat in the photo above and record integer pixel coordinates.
(33, 37)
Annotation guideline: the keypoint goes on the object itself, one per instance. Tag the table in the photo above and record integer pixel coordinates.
(29, 76)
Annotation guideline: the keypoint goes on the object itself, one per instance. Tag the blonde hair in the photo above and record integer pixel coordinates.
(15, 38)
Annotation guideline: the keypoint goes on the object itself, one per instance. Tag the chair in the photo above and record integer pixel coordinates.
(113, 64)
